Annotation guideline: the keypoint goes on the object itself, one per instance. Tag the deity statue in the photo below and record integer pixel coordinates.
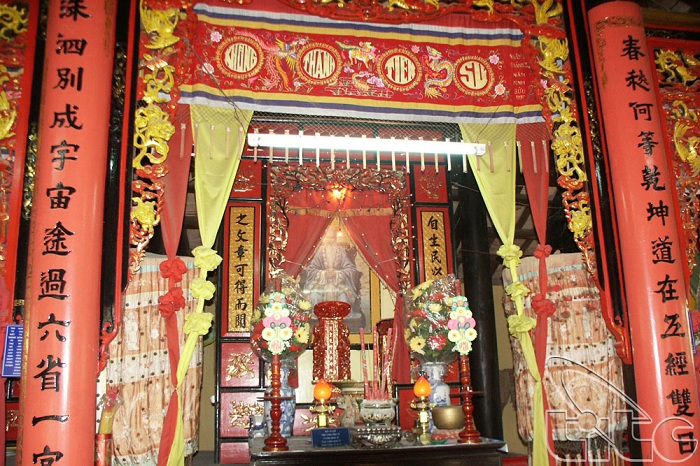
(332, 275)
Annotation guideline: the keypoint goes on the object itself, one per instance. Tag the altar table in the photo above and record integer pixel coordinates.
(448, 454)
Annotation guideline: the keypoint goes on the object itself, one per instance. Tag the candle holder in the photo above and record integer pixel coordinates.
(322, 406)
(422, 404)
(275, 441)
(322, 409)
(469, 434)
(323, 435)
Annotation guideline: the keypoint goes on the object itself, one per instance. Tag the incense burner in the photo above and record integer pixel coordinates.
(377, 412)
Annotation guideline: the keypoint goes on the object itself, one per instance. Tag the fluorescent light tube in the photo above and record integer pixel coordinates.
(303, 141)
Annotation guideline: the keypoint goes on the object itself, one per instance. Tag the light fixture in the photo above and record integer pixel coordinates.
(317, 142)
(422, 405)
(322, 406)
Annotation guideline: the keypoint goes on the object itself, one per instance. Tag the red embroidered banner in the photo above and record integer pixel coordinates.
(288, 62)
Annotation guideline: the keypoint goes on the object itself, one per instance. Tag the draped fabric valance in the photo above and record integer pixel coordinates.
(140, 368)
(583, 373)
(451, 70)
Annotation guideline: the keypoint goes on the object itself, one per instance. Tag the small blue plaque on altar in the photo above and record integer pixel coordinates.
(12, 355)
(330, 437)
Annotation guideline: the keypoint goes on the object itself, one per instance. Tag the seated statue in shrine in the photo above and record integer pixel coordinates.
(332, 275)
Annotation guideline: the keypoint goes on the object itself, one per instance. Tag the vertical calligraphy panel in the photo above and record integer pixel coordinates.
(649, 239)
(435, 247)
(62, 323)
(242, 256)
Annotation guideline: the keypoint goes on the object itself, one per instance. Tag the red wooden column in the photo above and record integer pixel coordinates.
(62, 321)
(650, 247)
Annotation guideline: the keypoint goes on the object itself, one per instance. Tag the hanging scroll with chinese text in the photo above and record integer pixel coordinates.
(243, 266)
(435, 251)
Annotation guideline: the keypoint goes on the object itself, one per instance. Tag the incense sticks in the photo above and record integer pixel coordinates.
(379, 385)
(365, 373)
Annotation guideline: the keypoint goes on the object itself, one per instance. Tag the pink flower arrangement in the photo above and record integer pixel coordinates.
(461, 325)
(281, 323)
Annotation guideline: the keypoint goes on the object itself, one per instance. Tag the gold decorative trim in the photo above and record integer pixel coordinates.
(152, 126)
(678, 73)
(240, 366)
(12, 21)
(13, 29)
(240, 412)
(567, 142)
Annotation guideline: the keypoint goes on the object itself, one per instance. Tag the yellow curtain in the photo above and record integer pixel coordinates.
(495, 173)
(219, 137)
(495, 176)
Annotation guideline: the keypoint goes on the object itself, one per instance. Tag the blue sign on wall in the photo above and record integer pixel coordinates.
(12, 356)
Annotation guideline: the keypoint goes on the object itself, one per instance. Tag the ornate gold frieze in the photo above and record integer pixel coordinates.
(240, 412)
(567, 142)
(240, 366)
(677, 73)
(13, 20)
(13, 29)
(160, 26)
(152, 125)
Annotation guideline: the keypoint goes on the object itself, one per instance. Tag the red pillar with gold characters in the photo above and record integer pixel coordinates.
(62, 319)
(667, 393)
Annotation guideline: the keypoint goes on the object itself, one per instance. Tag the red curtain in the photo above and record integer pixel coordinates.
(174, 203)
(534, 152)
(309, 215)
(535, 167)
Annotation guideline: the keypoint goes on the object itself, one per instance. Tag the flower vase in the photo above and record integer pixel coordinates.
(439, 390)
(288, 405)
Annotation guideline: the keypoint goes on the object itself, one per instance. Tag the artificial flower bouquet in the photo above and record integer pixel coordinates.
(439, 323)
(281, 321)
